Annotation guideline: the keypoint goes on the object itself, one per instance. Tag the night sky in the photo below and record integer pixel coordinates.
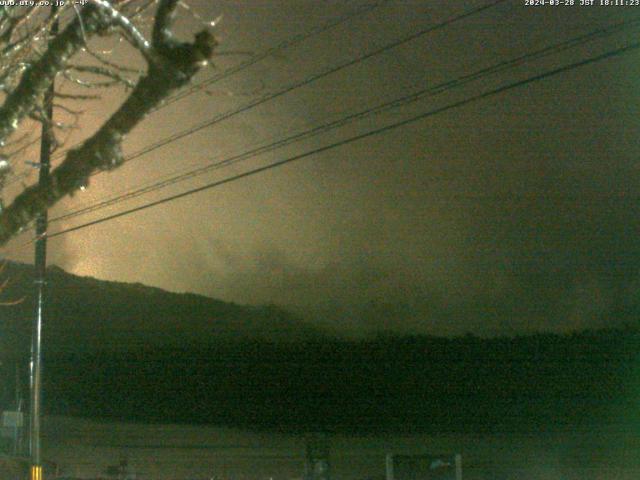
(512, 214)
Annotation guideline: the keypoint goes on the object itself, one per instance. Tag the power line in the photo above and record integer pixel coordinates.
(287, 43)
(437, 89)
(152, 184)
(296, 39)
(307, 81)
(370, 133)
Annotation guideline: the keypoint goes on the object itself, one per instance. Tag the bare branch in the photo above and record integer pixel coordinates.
(38, 77)
(3, 287)
(70, 111)
(73, 96)
(174, 64)
(129, 29)
(93, 84)
(165, 15)
(114, 76)
(23, 144)
(109, 63)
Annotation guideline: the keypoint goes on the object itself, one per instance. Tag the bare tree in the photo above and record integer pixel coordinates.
(32, 58)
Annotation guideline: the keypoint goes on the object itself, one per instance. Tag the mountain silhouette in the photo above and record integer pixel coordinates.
(86, 314)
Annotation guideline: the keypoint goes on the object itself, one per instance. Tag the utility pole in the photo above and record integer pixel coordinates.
(40, 283)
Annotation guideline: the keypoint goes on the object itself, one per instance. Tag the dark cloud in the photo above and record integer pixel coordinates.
(516, 213)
